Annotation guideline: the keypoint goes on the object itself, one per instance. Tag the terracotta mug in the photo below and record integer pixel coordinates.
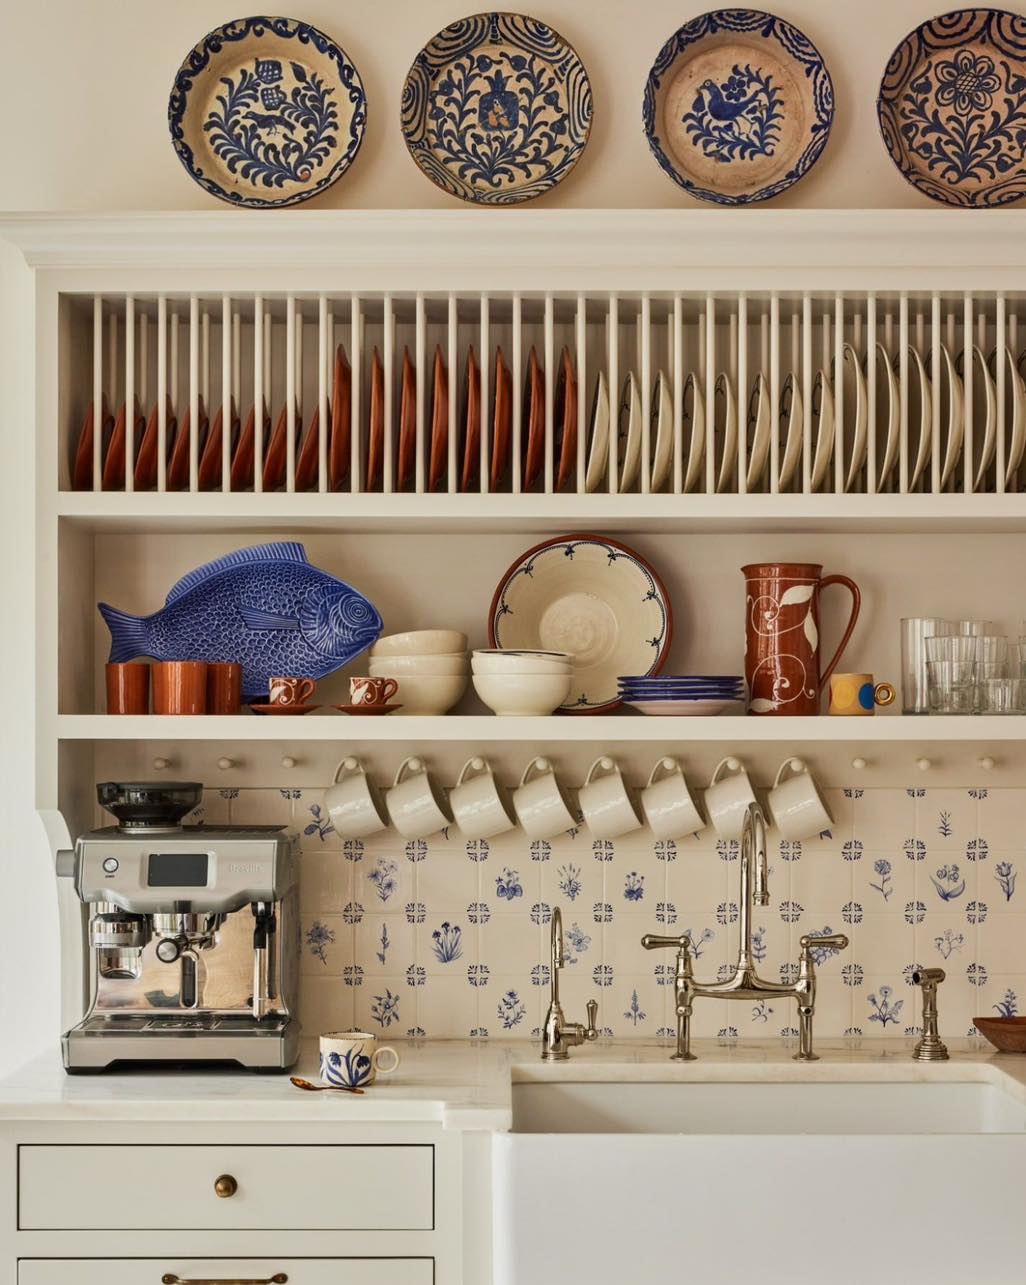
(372, 691)
(180, 687)
(782, 635)
(290, 691)
(224, 687)
(128, 688)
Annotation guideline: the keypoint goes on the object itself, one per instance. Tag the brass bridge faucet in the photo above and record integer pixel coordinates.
(559, 1035)
(745, 983)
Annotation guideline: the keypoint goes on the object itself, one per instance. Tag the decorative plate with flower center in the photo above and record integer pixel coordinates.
(738, 106)
(496, 109)
(952, 107)
(267, 112)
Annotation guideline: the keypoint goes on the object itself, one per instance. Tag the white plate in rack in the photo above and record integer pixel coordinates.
(793, 411)
(823, 423)
(725, 438)
(598, 435)
(628, 436)
(920, 394)
(693, 416)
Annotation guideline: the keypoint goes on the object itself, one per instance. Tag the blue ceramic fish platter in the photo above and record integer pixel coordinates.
(265, 607)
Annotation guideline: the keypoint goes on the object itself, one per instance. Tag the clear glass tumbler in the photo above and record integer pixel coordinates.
(974, 627)
(951, 647)
(999, 696)
(915, 697)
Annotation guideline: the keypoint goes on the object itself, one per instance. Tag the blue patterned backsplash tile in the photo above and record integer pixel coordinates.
(446, 938)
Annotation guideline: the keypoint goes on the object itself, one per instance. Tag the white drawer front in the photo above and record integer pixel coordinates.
(338, 1188)
(300, 1271)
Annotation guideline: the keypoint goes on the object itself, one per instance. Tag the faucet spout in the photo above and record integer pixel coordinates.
(754, 878)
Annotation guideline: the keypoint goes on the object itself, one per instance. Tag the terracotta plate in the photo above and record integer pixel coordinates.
(82, 467)
(439, 457)
(212, 457)
(114, 465)
(146, 459)
(339, 457)
(532, 432)
(469, 445)
(308, 463)
(407, 423)
(266, 111)
(276, 456)
(502, 422)
(738, 106)
(178, 465)
(244, 455)
(565, 445)
(376, 425)
(594, 598)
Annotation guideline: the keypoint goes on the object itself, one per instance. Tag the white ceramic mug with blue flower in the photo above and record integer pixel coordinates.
(351, 1059)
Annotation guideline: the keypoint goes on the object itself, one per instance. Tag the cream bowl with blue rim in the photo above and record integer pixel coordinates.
(352, 1059)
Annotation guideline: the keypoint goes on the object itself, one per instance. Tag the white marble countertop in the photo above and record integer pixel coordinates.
(467, 1086)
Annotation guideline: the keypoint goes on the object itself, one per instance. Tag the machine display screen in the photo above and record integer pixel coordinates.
(177, 870)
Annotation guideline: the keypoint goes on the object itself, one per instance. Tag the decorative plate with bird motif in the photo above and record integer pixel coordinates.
(952, 107)
(266, 112)
(496, 109)
(738, 106)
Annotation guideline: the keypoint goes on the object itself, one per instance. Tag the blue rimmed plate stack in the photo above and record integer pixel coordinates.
(692, 695)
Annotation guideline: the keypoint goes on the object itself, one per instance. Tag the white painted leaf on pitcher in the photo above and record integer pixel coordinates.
(797, 593)
(811, 632)
(761, 706)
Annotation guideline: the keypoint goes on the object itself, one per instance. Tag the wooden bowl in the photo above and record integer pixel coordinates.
(1007, 1034)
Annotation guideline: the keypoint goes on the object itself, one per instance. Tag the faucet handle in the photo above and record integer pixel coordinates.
(591, 1030)
(831, 941)
(652, 941)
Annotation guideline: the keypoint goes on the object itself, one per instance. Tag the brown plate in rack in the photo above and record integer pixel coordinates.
(532, 432)
(241, 478)
(470, 424)
(276, 456)
(178, 466)
(566, 420)
(113, 477)
(308, 469)
(82, 469)
(210, 460)
(439, 456)
(502, 422)
(376, 425)
(407, 423)
(341, 404)
(146, 458)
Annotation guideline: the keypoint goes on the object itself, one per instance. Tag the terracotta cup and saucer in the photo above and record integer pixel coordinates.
(287, 695)
(370, 696)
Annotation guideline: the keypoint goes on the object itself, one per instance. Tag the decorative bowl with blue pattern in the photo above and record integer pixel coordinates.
(496, 109)
(267, 112)
(738, 106)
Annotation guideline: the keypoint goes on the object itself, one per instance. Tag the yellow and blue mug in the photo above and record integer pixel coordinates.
(858, 695)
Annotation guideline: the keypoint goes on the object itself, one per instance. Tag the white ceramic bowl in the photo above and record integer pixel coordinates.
(428, 693)
(397, 666)
(522, 694)
(421, 642)
(520, 662)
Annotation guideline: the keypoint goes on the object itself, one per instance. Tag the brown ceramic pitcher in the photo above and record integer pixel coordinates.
(782, 635)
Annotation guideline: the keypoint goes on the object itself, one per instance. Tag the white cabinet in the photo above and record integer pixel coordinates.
(298, 1188)
(226, 1271)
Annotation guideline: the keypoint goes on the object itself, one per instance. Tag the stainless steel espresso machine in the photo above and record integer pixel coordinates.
(193, 935)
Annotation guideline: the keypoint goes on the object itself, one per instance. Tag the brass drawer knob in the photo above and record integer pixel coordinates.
(225, 1186)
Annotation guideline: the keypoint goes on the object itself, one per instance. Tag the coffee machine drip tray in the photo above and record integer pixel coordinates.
(102, 1040)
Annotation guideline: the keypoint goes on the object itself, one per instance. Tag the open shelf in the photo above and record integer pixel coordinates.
(215, 511)
(602, 730)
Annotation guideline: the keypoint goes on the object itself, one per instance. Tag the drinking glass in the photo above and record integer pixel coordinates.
(999, 696)
(914, 633)
(974, 627)
(951, 698)
(991, 649)
(951, 647)
(950, 673)
(987, 670)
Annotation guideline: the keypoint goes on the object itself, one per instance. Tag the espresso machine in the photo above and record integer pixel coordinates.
(193, 936)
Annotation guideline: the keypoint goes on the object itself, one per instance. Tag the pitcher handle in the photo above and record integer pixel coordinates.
(856, 606)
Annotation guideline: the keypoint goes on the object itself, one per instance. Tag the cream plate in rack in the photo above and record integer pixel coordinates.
(594, 598)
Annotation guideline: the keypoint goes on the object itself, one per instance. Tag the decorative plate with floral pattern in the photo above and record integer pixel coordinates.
(267, 112)
(738, 106)
(952, 107)
(496, 109)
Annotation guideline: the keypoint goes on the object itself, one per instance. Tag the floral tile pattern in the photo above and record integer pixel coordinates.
(449, 939)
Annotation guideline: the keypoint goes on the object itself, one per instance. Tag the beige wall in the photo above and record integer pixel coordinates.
(93, 135)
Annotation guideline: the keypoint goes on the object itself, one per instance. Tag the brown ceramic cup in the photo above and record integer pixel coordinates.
(290, 691)
(180, 687)
(128, 688)
(224, 687)
(372, 691)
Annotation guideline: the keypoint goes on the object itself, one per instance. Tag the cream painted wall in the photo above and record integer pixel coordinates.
(95, 136)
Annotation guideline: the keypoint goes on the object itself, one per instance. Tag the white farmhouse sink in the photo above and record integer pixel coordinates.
(851, 1182)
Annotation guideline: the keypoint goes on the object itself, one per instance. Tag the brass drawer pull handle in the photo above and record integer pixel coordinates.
(225, 1186)
(169, 1278)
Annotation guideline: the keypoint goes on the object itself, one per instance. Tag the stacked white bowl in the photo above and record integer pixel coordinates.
(522, 683)
(430, 666)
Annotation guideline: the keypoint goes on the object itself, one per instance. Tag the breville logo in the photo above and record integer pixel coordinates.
(243, 868)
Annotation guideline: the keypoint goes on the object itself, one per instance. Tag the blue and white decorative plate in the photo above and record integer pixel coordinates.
(592, 597)
(496, 109)
(738, 106)
(267, 112)
(952, 107)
